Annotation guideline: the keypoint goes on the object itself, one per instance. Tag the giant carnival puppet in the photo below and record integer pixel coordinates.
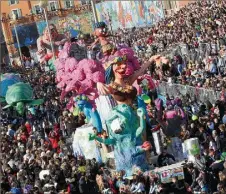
(102, 35)
(45, 51)
(126, 124)
(16, 93)
(113, 75)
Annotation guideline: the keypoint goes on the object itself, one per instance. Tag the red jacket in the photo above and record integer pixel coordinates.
(150, 40)
(54, 142)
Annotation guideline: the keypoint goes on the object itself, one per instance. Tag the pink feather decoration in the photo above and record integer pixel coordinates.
(81, 77)
(135, 63)
(85, 85)
(71, 64)
(129, 69)
(98, 76)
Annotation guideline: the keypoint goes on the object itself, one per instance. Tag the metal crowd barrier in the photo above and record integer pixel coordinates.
(200, 94)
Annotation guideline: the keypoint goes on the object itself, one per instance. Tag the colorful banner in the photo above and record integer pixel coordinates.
(166, 176)
(128, 14)
(166, 173)
(72, 24)
(27, 34)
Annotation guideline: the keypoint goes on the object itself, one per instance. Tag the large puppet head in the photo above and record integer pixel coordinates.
(81, 101)
(100, 29)
(20, 108)
(115, 67)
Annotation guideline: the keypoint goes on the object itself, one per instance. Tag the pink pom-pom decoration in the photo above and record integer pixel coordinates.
(71, 64)
(129, 69)
(81, 77)
(98, 76)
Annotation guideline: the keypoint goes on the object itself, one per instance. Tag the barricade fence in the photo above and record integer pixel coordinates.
(187, 52)
(200, 94)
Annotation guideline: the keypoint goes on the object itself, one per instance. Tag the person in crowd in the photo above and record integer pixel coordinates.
(37, 143)
(178, 186)
(194, 173)
(165, 158)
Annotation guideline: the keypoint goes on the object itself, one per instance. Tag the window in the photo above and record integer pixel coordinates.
(68, 4)
(37, 9)
(83, 2)
(17, 12)
(12, 2)
(53, 6)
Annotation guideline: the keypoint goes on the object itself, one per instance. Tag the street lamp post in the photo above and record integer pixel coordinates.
(163, 9)
(17, 38)
(43, 5)
(94, 11)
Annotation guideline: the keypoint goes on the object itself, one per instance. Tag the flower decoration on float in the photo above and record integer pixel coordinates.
(116, 60)
(81, 97)
(146, 99)
(124, 89)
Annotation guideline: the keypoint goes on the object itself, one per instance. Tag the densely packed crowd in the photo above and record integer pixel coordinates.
(36, 142)
(40, 141)
(194, 40)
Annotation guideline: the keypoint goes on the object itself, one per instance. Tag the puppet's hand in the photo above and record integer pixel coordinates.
(92, 137)
(154, 58)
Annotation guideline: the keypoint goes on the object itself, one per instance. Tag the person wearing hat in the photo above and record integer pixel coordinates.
(81, 40)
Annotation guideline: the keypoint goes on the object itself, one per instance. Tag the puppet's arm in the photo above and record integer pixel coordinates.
(108, 141)
(143, 68)
(94, 43)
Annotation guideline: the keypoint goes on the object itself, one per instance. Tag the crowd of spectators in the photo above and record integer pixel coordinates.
(36, 154)
(193, 40)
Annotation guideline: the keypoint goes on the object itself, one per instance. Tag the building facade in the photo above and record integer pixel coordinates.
(171, 6)
(22, 8)
(3, 48)
(61, 12)
(26, 19)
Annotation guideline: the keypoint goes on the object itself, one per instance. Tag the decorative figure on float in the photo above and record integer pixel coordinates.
(101, 32)
(174, 116)
(87, 108)
(125, 124)
(121, 70)
(44, 45)
(7, 79)
(19, 95)
(127, 152)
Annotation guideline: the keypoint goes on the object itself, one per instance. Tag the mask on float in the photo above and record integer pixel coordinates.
(100, 29)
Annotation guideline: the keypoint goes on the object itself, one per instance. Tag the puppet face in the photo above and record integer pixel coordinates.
(81, 101)
(100, 32)
(20, 107)
(120, 70)
(119, 67)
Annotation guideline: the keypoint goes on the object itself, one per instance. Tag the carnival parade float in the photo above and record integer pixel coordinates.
(106, 81)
